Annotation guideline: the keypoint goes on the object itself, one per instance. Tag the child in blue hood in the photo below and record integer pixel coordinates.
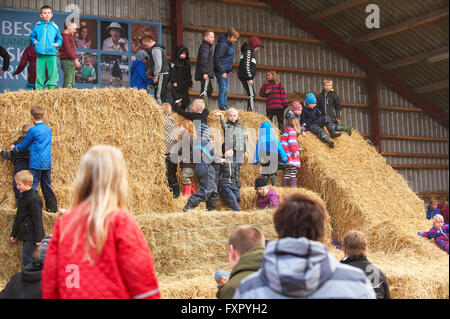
(268, 152)
(138, 78)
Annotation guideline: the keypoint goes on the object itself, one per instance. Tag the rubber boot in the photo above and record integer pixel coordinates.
(187, 190)
(327, 140)
(273, 179)
(51, 87)
(293, 182)
(345, 128)
(332, 131)
(285, 182)
(175, 190)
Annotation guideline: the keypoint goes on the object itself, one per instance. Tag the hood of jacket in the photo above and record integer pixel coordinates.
(180, 49)
(135, 65)
(223, 39)
(267, 138)
(297, 267)
(32, 272)
(246, 47)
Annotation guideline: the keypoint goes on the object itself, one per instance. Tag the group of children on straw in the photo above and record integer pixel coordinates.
(438, 213)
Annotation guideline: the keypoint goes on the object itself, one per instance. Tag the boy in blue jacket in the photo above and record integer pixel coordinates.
(39, 142)
(432, 208)
(268, 151)
(46, 39)
(138, 78)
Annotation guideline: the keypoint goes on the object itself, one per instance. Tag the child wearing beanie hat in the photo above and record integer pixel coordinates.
(314, 121)
(267, 197)
(221, 277)
(247, 68)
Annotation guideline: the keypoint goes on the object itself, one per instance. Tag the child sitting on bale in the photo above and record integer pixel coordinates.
(221, 277)
(267, 197)
(432, 209)
(289, 140)
(439, 232)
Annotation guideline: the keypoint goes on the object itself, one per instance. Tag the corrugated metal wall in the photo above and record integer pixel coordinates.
(284, 53)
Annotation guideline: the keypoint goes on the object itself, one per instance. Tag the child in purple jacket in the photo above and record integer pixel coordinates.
(267, 197)
(439, 232)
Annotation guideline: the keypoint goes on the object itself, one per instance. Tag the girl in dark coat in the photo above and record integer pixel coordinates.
(180, 76)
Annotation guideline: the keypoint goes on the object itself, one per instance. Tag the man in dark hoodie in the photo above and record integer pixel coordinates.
(180, 76)
(223, 63)
(204, 68)
(19, 159)
(247, 68)
(158, 67)
(246, 244)
(27, 283)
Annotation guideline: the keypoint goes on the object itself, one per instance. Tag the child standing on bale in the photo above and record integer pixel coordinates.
(27, 224)
(180, 77)
(19, 159)
(439, 232)
(329, 104)
(97, 250)
(314, 121)
(204, 68)
(170, 139)
(68, 56)
(267, 197)
(276, 102)
(289, 141)
(39, 142)
(230, 180)
(267, 153)
(186, 158)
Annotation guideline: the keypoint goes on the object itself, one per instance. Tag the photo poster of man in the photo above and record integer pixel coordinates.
(124, 35)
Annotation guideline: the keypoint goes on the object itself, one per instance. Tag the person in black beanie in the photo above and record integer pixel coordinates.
(27, 283)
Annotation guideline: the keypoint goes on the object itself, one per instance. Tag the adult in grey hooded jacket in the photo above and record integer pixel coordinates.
(299, 265)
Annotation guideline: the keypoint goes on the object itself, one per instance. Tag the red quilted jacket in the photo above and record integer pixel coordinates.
(124, 269)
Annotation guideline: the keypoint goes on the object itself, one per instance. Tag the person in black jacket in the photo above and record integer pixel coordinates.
(329, 104)
(19, 159)
(204, 68)
(27, 283)
(4, 54)
(354, 247)
(180, 76)
(229, 180)
(27, 225)
(247, 68)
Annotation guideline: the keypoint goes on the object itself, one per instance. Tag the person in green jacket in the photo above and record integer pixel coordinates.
(246, 244)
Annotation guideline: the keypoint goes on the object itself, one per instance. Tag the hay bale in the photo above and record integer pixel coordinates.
(80, 119)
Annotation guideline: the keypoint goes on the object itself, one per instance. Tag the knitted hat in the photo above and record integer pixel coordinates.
(310, 99)
(296, 106)
(260, 182)
(141, 55)
(220, 273)
(43, 247)
(255, 42)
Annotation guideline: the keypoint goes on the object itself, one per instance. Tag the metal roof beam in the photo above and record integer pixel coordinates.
(416, 58)
(357, 57)
(338, 8)
(409, 24)
(432, 87)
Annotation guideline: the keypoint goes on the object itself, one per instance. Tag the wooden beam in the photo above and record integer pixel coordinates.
(249, 34)
(432, 87)
(247, 3)
(415, 138)
(337, 8)
(415, 59)
(406, 25)
(401, 109)
(420, 166)
(419, 155)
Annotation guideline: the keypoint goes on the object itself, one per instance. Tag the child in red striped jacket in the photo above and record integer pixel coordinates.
(277, 102)
(289, 141)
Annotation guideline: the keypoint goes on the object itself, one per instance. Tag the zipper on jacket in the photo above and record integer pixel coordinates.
(45, 37)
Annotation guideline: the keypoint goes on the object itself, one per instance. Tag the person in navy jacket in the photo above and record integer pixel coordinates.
(138, 78)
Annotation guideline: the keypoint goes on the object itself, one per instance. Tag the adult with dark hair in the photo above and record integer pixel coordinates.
(298, 265)
(27, 283)
(356, 255)
(246, 244)
(5, 56)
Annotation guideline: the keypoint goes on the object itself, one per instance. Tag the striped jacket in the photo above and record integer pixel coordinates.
(302, 268)
(276, 99)
(290, 145)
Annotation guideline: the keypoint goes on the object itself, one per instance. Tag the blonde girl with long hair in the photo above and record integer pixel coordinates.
(275, 94)
(97, 247)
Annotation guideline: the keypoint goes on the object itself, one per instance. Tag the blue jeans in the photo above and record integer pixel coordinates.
(28, 249)
(43, 177)
(223, 91)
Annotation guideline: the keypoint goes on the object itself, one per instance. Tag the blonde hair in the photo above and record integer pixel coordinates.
(232, 109)
(355, 244)
(189, 126)
(102, 184)
(295, 123)
(276, 79)
(167, 108)
(24, 176)
(200, 103)
(327, 80)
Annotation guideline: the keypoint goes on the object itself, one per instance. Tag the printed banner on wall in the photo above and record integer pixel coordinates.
(105, 47)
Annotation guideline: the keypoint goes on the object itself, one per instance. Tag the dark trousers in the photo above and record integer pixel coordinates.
(43, 177)
(171, 174)
(250, 89)
(279, 114)
(317, 127)
(162, 89)
(206, 90)
(206, 177)
(230, 195)
(28, 249)
(182, 94)
(19, 166)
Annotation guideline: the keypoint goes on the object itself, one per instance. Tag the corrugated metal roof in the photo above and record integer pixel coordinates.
(349, 24)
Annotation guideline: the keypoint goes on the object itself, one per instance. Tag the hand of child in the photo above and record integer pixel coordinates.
(55, 44)
(222, 161)
(175, 85)
(231, 74)
(246, 157)
(205, 76)
(304, 133)
(13, 239)
(224, 75)
(38, 243)
(178, 101)
(77, 64)
(11, 147)
(155, 79)
(250, 82)
(268, 90)
(420, 233)
(218, 114)
(35, 42)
